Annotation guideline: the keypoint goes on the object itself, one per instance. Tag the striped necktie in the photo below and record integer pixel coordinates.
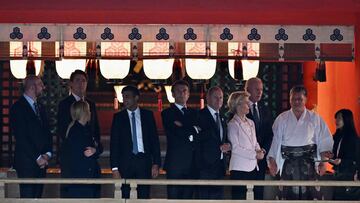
(37, 111)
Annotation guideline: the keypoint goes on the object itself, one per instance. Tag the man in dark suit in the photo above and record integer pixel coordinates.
(78, 84)
(134, 143)
(213, 144)
(33, 148)
(180, 124)
(262, 118)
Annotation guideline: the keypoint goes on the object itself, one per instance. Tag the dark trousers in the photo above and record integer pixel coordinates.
(259, 190)
(139, 168)
(81, 190)
(31, 190)
(214, 172)
(239, 192)
(345, 193)
(183, 191)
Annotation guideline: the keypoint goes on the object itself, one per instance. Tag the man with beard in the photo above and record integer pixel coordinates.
(33, 148)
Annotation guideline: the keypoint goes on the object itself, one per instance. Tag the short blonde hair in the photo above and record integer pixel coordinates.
(235, 99)
(77, 110)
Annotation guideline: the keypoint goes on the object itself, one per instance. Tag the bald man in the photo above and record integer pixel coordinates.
(262, 118)
(33, 147)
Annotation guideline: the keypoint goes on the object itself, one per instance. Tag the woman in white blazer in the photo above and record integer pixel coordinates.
(246, 150)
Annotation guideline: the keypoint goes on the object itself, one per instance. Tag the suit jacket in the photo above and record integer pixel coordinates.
(64, 119)
(244, 145)
(32, 135)
(264, 133)
(74, 164)
(348, 152)
(209, 139)
(121, 140)
(180, 153)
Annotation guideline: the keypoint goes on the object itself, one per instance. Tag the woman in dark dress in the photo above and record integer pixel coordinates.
(78, 154)
(345, 151)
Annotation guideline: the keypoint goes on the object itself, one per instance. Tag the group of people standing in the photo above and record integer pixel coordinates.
(199, 142)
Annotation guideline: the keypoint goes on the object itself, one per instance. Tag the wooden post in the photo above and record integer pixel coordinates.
(133, 190)
(250, 192)
(117, 191)
(2, 190)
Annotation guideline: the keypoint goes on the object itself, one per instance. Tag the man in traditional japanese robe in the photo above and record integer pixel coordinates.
(301, 142)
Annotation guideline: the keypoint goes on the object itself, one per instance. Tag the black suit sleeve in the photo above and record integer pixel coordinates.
(95, 122)
(347, 155)
(48, 136)
(176, 132)
(115, 142)
(154, 140)
(206, 130)
(266, 131)
(62, 119)
(24, 140)
(357, 153)
(95, 128)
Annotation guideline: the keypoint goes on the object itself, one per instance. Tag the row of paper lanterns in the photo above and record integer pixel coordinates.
(157, 69)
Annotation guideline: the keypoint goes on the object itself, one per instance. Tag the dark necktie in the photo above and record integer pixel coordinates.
(218, 124)
(256, 117)
(37, 111)
(134, 137)
(184, 109)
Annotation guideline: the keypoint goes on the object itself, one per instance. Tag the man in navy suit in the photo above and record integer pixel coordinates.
(134, 143)
(78, 84)
(33, 148)
(213, 144)
(180, 124)
(262, 118)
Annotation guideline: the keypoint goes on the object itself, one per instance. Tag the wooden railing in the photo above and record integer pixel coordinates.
(135, 182)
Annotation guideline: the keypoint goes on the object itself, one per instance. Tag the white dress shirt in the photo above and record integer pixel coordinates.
(77, 98)
(244, 144)
(252, 109)
(180, 107)
(289, 131)
(139, 136)
(31, 102)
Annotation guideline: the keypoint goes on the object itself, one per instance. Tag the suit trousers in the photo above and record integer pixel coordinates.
(215, 171)
(31, 190)
(239, 192)
(184, 191)
(259, 190)
(139, 168)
